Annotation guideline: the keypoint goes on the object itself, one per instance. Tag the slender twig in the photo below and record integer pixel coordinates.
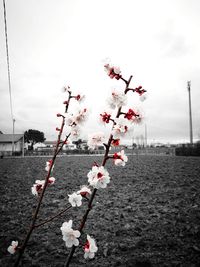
(64, 142)
(52, 218)
(105, 158)
(126, 82)
(35, 215)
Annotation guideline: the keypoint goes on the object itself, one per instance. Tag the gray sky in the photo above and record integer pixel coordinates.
(63, 42)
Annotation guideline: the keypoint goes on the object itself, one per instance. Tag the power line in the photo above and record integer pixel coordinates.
(8, 61)
(9, 78)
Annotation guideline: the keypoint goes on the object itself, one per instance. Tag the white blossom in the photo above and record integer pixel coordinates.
(37, 188)
(120, 158)
(81, 116)
(85, 191)
(51, 180)
(117, 99)
(98, 177)
(90, 248)
(77, 118)
(120, 128)
(112, 71)
(69, 119)
(70, 236)
(75, 133)
(138, 119)
(95, 140)
(75, 199)
(48, 165)
(134, 116)
(13, 247)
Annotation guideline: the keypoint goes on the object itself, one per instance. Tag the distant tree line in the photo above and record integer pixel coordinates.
(188, 150)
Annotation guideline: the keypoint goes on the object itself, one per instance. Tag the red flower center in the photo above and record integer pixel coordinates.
(84, 194)
(99, 175)
(117, 156)
(105, 117)
(130, 114)
(38, 187)
(115, 142)
(50, 181)
(87, 245)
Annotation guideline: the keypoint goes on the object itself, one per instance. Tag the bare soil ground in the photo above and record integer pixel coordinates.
(148, 216)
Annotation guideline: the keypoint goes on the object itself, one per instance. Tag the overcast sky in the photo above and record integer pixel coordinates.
(63, 42)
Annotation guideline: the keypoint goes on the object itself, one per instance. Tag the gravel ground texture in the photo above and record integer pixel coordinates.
(149, 215)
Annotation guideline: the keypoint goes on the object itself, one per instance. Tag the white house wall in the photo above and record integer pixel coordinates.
(7, 147)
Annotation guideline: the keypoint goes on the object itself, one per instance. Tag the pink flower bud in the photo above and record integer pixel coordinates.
(85, 191)
(115, 142)
(57, 129)
(51, 180)
(139, 90)
(105, 117)
(90, 248)
(120, 158)
(87, 245)
(13, 247)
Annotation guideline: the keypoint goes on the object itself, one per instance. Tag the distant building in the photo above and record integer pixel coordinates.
(50, 144)
(69, 147)
(11, 143)
(46, 146)
(84, 145)
(39, 146)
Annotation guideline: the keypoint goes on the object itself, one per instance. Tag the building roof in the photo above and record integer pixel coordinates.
(9, 138)
(50, 142)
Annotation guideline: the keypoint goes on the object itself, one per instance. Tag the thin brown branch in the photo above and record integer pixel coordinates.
(105, 158)
(35, 215)
(123, 79)
(52, 218)
(64, 142)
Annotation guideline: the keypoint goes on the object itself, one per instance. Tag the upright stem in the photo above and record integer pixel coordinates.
(105, 158)
(35, 215)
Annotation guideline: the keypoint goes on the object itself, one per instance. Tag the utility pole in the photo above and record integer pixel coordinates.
(23, 146)
(145, 134)
(13, 133)
(190, 112)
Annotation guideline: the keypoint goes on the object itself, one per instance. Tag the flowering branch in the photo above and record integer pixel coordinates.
(40, 187)
(105, 158)
(98, 177)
